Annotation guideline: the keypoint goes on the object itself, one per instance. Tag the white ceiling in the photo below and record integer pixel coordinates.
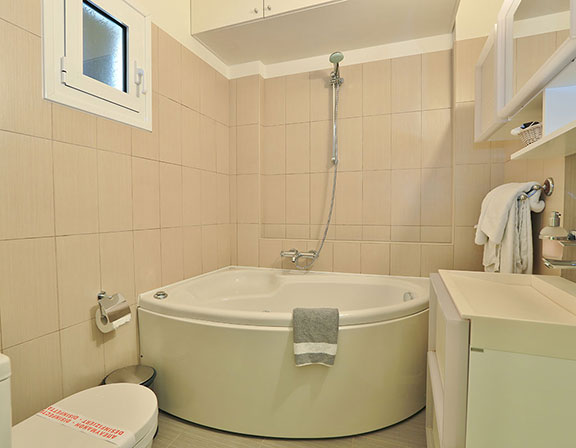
(343, 26)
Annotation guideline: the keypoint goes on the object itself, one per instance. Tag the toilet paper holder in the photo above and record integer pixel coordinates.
(112, 312)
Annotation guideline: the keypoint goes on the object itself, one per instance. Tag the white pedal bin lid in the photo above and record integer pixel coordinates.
(129, 407)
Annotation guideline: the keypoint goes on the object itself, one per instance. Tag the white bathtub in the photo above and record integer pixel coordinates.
(222, 346)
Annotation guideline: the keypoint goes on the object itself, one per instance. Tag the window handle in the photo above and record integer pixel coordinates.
(140, 79)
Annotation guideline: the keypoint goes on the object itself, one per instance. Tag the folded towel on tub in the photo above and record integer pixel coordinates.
(315, 335)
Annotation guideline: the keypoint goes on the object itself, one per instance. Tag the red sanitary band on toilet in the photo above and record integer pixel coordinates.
(117, 436)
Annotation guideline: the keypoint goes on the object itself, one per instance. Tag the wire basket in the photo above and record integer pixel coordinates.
(531, 134)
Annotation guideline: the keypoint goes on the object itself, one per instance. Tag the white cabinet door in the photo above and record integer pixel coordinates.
(213, 14)
(274, 7)
(520, 401)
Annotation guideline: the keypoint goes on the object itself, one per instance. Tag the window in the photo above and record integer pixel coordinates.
(97, 58)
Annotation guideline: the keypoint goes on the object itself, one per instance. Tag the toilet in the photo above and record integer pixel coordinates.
(126, 411)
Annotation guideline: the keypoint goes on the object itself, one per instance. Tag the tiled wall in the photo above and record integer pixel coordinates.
(89, 204)
(411, 180)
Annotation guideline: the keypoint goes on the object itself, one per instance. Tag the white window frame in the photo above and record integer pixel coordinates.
(64, 79)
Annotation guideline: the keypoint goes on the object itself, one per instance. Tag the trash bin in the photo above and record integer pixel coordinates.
(143, 375)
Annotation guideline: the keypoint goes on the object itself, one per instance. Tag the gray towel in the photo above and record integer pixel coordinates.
(315, 335)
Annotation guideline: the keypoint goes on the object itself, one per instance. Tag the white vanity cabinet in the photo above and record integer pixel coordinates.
(501, 361)
(209, 15)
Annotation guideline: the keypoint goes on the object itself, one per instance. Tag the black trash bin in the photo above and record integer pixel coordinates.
(143, 375)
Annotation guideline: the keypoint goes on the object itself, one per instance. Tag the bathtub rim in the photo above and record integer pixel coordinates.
(283, 319)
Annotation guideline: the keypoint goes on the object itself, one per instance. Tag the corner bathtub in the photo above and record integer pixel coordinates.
(222, 346)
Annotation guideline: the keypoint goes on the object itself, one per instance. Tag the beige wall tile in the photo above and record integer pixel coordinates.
(320, 196)
(36, 376)
(23, 109)
(375, 259)
(273, 150)
(170, 195)
(466, 53)
(467, 255)
(298, 199)
(320, 146)
(531, 53)
(376, 142)
(376, 233)
(436, 196)
(437, 138)
(208, 143)
(320, 96)
(406, 74)
(377, 88)
(297, 231)
(78, 278)
(82, 357)
(348, 233)
(146, 193)
(436, 234)
(298, 98)
(191, 147)
(28, 270)
(497, 174)
(472, 183)
(435, 257)
(247, 149)
(23, 13)
(209, 198)
(269, 253)
(274, 101)
(233, 146)
(405, 260)
(222, 85)
(224, 245)
(248, 100)
(146, 143)
(325, 262)
(155, 57)
(191, 196)
(349, 144)
(406, 137)
(298, 148)
(351, 92)
(223, 200)
(248, 204)
(347, 257)
(26, 187)
(405, 234)
(75, 189)
(169, 66)
(192, 247)
(114, 191)
(349, 198)
(247, 244)
(147, 260)
(113, 136)
(273, 199)
(117, 264)
(207, 90)
(73, 126)
(172, 255)
(405, 197)
(121, 345)
(190, 79)
(222, 148)
(317, 232)
(170, 130)
(232, 103)
(376, 198)
(437, 80)
(277, 231)
(465, 150)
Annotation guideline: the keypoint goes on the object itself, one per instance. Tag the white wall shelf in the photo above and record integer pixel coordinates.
(560, 143)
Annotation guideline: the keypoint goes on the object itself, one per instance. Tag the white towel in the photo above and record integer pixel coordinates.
(505, 228)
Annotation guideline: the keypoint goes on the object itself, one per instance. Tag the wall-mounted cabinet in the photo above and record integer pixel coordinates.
(535, 42)
(214, 14)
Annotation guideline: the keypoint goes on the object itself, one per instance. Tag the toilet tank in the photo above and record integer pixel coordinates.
(5, 404)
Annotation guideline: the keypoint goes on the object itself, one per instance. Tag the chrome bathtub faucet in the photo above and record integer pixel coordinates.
(295, 254)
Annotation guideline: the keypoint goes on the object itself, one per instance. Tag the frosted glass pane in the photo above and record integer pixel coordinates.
(104, 47)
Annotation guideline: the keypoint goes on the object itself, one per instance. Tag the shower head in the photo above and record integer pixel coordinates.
(336, 58)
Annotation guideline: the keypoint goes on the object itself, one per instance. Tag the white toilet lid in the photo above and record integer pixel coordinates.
(130, 407)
